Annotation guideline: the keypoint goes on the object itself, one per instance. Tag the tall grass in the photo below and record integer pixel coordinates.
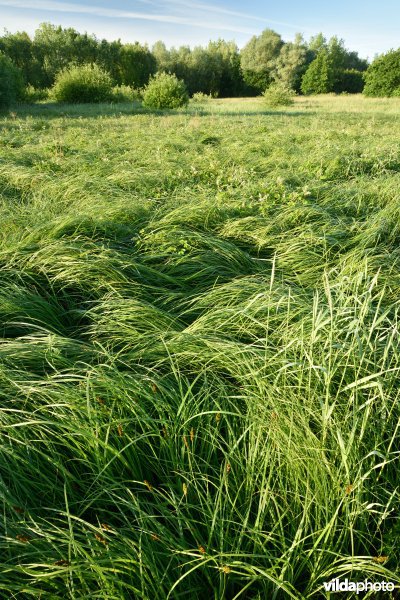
(199, 320)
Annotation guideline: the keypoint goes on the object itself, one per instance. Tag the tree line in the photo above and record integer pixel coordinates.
(218, 69)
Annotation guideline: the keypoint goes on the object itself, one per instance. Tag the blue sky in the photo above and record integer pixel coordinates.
(368, 26)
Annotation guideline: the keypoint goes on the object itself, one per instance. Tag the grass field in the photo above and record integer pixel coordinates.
(200, 350)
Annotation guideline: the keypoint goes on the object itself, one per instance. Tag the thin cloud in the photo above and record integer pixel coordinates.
(233, 13)
(67, 7)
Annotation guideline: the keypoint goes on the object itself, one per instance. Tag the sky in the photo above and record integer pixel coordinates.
(367, 26)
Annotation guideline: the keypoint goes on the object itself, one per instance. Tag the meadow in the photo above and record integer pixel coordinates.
(200, 351)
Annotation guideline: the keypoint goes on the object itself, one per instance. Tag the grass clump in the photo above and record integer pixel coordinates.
(165, 90)
(82, 83)
(199, 350)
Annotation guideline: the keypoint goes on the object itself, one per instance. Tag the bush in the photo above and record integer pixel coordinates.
(125, 93)
(278, 94)
(200, 97)
(350, 81)
(165, 91)
(84, 83)
(11, 82)
(382, 77)
(32, 94)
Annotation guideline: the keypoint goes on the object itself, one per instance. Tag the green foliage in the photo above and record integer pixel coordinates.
(333, 69)
(136, 65)
(218, 69)
(212, 70)
(108, 58)
(258, 59)
(32, 94)
(230, 76)
(278, 94)
(290, 64)
(200, 98)
(56, 48)
(383, 75)
(318, 79)
(86, 83)
(20, 49)
(125, 93)
(11, 82)
(165, 90)
(350, 81)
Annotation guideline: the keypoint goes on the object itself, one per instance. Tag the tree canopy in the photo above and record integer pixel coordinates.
(219, 69)
(382, 77)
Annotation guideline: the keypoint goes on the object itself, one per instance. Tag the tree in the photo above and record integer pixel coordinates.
(231, 78)
(19, 48)
(331, 70)
(258, 59)
(136, 65)
(290, 63)
(318, 79)
(351, 81)
(108, 54)
(55, 48)
(11, 82)
(163, 57)
(382, 77)
(317, 43)
(211, 70)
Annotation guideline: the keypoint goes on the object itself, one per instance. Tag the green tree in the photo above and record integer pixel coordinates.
(382, 77)
(231, 79)
(211, 70)
(136, 65)
(318, 79)
(19, 48)
(331, 70)
(11, 82)
(351, 81)
(163, 57)
(290, 63)
(55, 48)
(317, 43)
(108, 55)
(258, 59)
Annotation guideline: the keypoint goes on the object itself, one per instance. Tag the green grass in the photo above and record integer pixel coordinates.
(200, 355)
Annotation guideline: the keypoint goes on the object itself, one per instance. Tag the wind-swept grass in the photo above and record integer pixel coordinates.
(199, 321)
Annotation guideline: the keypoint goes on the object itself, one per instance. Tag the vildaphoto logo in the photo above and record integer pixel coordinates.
(336, 585)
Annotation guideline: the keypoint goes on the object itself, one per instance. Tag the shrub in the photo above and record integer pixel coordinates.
(11, 82)
(278, 94)
(382, 77)
(125, 93)
(165, 90)
(200, 97)
(350, 81)
(84, 83)
(32, 94)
